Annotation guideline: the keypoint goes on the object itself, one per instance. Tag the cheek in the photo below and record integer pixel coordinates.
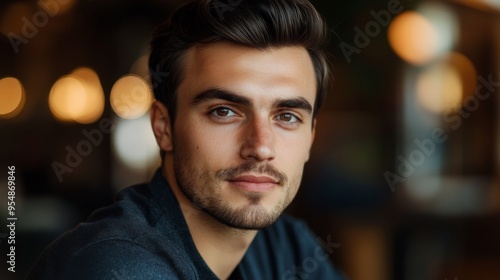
(206, 146)
(291, 163)
(295, 148)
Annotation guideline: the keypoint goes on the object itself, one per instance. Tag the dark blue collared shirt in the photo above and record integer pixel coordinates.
(143, 235)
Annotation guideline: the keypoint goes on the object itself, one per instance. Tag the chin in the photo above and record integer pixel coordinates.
(252, 216)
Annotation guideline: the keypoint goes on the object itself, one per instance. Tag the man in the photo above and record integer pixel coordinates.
(235, 120)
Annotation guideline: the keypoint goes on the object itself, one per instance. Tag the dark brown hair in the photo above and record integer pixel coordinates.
(253, 23)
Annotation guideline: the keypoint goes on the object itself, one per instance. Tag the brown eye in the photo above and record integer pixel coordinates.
(287, 117)
(222, 112)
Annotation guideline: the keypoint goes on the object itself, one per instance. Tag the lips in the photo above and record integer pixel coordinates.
(254, 183)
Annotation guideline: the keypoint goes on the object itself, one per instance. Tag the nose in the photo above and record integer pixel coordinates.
(258, 140)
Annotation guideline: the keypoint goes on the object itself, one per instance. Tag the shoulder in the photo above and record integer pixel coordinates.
(113, 258)
(121, 239)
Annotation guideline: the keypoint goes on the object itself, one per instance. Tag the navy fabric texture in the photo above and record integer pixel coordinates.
(143, 235)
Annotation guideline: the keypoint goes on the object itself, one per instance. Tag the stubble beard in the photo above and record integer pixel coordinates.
(206, 193)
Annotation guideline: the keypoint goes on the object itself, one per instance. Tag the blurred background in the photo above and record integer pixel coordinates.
(404, 171)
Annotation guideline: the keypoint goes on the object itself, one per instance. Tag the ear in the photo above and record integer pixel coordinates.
(162, 126)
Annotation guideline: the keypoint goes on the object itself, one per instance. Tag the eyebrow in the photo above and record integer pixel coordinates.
(294, 103)
(216, 93)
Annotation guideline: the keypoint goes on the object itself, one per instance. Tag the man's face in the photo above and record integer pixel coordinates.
(243, 130)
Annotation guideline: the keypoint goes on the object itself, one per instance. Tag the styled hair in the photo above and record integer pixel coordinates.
(254, 23)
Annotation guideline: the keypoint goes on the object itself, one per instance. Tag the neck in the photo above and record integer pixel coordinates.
(221, 247)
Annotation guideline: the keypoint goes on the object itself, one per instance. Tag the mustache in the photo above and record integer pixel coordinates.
(254, 167)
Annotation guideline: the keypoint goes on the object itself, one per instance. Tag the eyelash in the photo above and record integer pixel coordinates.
(298, 120)
(214, 111)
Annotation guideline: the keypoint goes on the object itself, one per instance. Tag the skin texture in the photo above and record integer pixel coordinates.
(242, 134)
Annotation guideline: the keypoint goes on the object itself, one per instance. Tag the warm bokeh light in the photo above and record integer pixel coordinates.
(11, 18)
(24, 20)
(466, 70)
(58, 7)
(413, 37)
(443, 85)
(131, 97)
(439, 88)
(11, 97)
(77, 97)
(420, 36)
(94, 94)
(67, 99)
(134, 143)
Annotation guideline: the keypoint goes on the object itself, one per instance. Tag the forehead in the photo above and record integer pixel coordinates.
(279, 72)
